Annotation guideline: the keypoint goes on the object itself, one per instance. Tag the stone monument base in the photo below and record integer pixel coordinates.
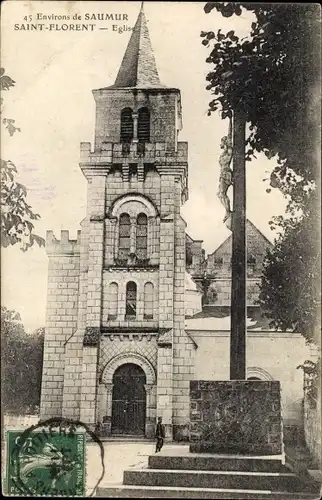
(236, 416)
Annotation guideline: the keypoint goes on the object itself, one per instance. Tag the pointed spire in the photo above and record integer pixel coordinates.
(138, 68)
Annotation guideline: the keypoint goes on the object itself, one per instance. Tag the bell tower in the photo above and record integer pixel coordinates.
(130, 308)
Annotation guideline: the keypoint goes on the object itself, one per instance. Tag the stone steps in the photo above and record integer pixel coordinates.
(179, 474)
(271, 481)
(219, 463)
(130, 491)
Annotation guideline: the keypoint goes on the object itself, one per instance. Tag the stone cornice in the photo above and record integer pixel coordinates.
(138, 269)
(126, 330)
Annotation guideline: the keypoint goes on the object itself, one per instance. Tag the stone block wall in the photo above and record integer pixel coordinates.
(75, 350)
(116, 187)
(122, 278)
(219, 292)
(270, 356)
(236, 416)
(219, 262)
(74, 345)
(161, 103)
(166, 277)
(61, 318)
(183, 346)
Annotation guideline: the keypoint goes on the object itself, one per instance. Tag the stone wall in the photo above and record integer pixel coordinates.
(161, 103)
(150, 187)
(219, 262)
(183, 346)
(236, 416)
(61, 318)
(270, 356)
(122, 278)
(219, 291)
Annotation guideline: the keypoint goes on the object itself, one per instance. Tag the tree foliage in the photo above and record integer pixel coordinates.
(312, 375)
(290, 292)
(17, 216)
(21, 366)
(272, 75)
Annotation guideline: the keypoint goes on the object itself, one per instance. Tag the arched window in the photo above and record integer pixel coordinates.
(130, 307)
(144, 125)
(124, 237)
(141, 237)
(126, 125)
(112, 300)
(253, 378)
(148, 300)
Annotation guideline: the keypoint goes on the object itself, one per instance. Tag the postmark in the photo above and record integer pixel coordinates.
(49, 459)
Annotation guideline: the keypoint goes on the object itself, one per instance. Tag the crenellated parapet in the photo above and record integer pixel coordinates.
(64, 246)
(158, 153)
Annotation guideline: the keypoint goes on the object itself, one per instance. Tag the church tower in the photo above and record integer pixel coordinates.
(116, 353)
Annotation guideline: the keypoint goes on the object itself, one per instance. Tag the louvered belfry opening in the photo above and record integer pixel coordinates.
(126, 125)
(144, 125)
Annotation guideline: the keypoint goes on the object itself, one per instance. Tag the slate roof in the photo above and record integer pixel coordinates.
(138, 68)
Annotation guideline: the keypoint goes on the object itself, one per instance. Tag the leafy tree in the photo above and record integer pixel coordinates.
(17, 215)
(272, 75)
(290, 292)
(21, 366)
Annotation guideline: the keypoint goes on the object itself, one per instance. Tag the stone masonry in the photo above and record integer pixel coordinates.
(236, 416)
(116, 295)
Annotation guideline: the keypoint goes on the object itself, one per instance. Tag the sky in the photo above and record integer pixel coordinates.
(52, 102)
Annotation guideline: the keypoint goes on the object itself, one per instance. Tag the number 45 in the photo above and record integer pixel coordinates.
(27, 18)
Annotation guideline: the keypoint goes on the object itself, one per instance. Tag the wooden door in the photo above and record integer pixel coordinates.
(129, 400)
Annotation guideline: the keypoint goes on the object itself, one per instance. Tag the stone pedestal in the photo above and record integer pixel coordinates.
(235, 417)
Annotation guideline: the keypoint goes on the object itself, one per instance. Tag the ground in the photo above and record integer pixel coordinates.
(118, 457)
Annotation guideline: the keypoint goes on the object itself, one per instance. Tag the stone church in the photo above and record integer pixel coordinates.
(134, 309)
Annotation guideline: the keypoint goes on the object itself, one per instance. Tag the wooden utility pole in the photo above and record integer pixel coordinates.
(239, 264)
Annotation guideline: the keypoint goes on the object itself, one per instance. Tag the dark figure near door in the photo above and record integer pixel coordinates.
(159, 434)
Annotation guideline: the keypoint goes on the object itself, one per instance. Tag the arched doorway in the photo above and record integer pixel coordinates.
(129, 400)
(253, 378)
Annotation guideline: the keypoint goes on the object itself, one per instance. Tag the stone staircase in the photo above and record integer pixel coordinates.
(188, 475)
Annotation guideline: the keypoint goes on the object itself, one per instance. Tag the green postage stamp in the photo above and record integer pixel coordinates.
(45, 462)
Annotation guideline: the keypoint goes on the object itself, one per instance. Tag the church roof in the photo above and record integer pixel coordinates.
(138, 68)
(217, 318)
(249, 227)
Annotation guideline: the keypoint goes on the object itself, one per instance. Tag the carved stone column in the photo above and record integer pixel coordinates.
(115, 236)
(151, 238)
(133, 235)
(150, 410)
(107, 418)
(135, 126)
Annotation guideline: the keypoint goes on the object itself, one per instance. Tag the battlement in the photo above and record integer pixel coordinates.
(158, 153)
(63, 246)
